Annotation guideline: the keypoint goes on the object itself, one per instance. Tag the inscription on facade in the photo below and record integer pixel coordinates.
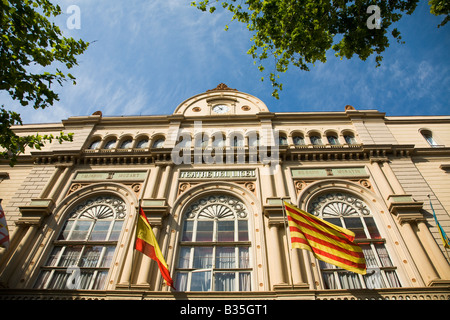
(217, 174)
(329, 172)
(117, 175)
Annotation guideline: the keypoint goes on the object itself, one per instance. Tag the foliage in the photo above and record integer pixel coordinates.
(29, 41)
(302, 32)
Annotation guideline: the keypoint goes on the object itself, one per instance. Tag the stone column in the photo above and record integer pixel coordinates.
(433, 251)
(420, 257)
(163, 182)
(276, 267)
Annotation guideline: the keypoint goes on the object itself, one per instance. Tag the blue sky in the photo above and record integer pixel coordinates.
(151, 55)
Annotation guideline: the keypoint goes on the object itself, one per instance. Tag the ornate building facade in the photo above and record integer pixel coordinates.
(211, 178)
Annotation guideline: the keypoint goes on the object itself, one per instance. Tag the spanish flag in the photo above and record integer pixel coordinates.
(147, 244)
(328, 242)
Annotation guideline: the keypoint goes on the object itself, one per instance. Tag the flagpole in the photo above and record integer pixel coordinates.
(285, 222)
(438, 225)
(134, 229)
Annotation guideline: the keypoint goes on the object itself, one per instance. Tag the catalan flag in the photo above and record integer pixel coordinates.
(4, 234)
(328, 242)
(147, 244)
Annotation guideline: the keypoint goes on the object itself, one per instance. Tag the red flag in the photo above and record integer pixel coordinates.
(328, 242)
(4, 234)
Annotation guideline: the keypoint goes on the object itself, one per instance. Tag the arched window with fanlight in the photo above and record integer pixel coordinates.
(83, 252)
(215, 248)
(349, 211)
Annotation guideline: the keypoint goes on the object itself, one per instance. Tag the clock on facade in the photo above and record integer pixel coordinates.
(220, 108)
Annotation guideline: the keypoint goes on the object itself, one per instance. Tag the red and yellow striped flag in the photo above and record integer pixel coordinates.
(147, 244)
(328, 242)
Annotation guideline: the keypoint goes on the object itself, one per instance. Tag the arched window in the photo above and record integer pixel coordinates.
(126, 144)
(237, 140)
(350, 212)
(201, 140)
(218, 140)
(94, 144)
(159, 143)
(349, 138)
(253, 139)
(282, 140)
(142, 144)
(332, 139)
(83, 252)
(298, 140)
(428, 136)
(110, 144)
(315, 139)
(214, 252)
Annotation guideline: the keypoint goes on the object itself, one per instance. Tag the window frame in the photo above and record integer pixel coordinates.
(189, 247)
(381, 270)
(68, 255)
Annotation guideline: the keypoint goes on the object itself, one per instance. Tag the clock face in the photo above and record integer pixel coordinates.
(220, 108)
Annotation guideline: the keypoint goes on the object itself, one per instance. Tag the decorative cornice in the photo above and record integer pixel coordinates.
(221, 87)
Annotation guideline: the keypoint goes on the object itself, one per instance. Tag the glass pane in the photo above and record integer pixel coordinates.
(333, 140)
(225, 258)
(66, 230)
(203, 257)
(349, 280)
(100, 280)
(224, 281)
(391, 275)
(115, 233)
(187, 231)
(372, 228)
(59, 280)
(126, 144)
(94, 144)
(201, 281)
(225, 231)
(369, 255)
(383, 255)
(110, 144)
(329, 280)
(142, 144)
(244, 258)
(42, 280)
(245, 281)
(85, 279)
(107, 257)
(298, 140)
(373, 279)
(349, 139)
(100, 231)
(80, 230)
(90, 257)
(70, 256)
(53, 258)
(335, 221)
(242, 230)
(185, 256)
(355, 225)
(181, 281)
(315, 140)
(204, 230)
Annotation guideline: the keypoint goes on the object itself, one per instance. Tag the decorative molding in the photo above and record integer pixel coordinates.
(221, 87)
